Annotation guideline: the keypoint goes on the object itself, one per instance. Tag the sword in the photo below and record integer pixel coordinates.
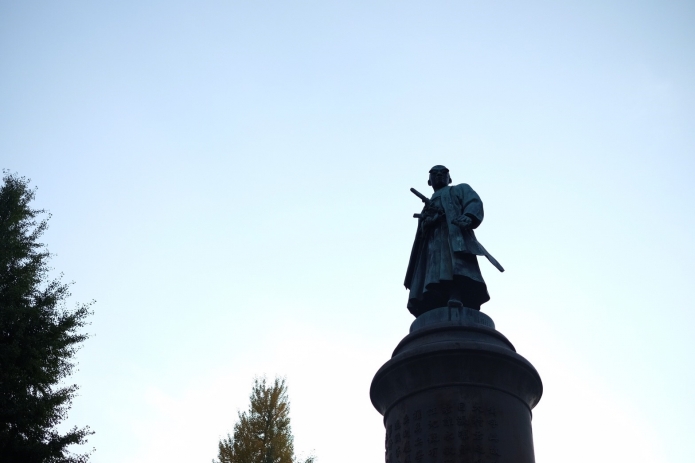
(424, 199)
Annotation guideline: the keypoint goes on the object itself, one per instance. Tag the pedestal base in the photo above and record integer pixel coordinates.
(456, 391)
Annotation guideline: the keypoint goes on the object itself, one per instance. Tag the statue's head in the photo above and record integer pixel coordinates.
(439, 177)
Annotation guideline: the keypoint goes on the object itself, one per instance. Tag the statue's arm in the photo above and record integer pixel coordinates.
(471, 207)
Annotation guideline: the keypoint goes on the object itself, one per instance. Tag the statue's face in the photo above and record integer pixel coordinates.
(439, 177)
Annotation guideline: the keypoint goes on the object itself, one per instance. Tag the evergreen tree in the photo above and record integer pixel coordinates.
(39, 337)
(263, 433)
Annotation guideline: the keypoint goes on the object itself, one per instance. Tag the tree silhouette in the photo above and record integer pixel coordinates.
(39, 337)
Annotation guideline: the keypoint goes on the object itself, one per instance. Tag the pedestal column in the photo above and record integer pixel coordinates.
(456, 391)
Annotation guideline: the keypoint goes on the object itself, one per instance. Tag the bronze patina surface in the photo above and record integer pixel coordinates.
(455, 390)
(443, 268)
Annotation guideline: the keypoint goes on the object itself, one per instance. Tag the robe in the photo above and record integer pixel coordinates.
(444, 256)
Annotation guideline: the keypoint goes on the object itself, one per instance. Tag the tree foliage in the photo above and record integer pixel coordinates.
(39, 337)
(263, 433)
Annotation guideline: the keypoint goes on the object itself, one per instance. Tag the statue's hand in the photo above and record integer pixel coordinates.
(463, 222)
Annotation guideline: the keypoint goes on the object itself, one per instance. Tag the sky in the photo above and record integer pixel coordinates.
(229, 181)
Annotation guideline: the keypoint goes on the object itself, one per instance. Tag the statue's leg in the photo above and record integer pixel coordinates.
(465, 292)
(455, 296)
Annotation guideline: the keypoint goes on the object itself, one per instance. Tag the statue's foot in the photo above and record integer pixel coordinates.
(455, 304)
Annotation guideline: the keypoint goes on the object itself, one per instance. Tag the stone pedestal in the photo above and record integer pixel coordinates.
(456, 391)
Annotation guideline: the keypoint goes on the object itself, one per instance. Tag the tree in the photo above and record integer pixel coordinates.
(263, 433)
(39, 337)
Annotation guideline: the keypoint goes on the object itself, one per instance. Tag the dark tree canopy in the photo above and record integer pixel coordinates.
(39, 337)
(263, 433)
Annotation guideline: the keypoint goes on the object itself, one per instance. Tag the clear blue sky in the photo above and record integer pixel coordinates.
(229, 180)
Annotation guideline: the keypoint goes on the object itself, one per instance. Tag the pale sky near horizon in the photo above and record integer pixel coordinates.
(229, 180)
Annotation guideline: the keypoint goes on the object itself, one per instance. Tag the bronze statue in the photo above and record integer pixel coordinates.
(443, 268)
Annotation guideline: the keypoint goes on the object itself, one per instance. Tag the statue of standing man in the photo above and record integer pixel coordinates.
(443, 268)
